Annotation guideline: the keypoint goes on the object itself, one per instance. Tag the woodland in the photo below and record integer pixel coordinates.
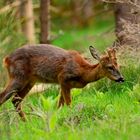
(102, 110)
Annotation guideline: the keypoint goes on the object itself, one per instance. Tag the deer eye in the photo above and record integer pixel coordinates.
(110, 68)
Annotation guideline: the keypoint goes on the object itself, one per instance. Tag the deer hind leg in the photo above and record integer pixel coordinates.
(17, 99)
(13, 87)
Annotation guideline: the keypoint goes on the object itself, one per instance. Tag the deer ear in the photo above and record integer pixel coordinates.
(111, 52)
(94, 53)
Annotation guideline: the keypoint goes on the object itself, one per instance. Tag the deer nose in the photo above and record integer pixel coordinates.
(121, 79)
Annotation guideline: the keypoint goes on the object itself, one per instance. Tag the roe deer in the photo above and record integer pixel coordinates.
(50, 64)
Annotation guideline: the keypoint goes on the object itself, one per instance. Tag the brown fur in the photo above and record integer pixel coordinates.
(49, 64)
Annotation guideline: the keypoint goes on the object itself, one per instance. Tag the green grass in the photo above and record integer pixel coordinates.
(93, 115)
(99, 35)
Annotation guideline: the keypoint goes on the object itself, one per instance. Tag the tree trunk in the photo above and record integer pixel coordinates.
(44, 21)
(82, 12)
(128, 23)
(26, 15)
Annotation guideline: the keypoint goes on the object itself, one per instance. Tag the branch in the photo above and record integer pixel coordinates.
(134, 3)
(10, 6)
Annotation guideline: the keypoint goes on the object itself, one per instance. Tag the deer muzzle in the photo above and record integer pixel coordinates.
(120, 80)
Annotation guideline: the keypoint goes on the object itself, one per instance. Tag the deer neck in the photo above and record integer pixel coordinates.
(95, 73)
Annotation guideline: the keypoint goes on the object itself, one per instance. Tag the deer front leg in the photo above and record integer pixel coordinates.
(61, 101)
(65, 96)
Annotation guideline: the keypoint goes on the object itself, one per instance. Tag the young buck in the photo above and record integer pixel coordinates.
(50, 64)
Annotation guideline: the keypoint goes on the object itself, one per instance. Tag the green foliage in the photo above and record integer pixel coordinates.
(81, 39)
(10, 38)
(136, 92)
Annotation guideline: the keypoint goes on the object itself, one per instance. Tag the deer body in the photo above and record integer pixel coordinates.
(48, 64)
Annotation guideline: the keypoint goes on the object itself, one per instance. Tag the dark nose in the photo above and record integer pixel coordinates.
(121, 79)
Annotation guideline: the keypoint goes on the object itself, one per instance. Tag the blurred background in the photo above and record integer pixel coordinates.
(68, 24)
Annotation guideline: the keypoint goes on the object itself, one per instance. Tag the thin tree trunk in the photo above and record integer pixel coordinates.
(128, 23)
(26, 14)
(44, 21)
(82, 11)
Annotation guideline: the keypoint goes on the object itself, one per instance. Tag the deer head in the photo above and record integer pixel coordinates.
(108, 64)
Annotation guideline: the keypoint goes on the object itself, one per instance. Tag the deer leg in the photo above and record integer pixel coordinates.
(61, 101)
(65, 96)
(13, 87)
(17, 99)
(65, 93)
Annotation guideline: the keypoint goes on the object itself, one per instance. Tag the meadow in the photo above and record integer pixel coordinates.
(104, 110)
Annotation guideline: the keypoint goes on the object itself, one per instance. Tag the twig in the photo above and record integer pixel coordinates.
(10, 6)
